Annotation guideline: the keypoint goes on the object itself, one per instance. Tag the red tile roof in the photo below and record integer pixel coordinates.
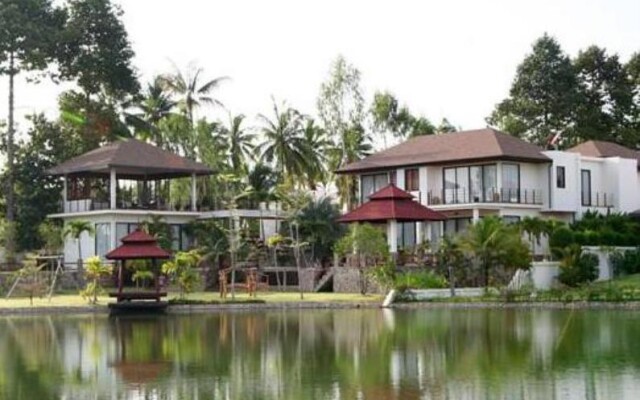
(467, 146)
(138, 245)
(391, 203)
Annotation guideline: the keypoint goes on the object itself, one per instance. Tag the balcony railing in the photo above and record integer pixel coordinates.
(597, 200)
(490, 195)
(83, 205)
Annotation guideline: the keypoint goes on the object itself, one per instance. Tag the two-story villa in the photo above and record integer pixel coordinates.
(120, 185)
(471, 174)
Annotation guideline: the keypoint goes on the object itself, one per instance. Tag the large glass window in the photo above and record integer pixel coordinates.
(103, 239)
(510, 182)
(369, 184)
(412, 179)
(475, 176)
(454, 226)
(490, 183)
(406, 234)
(469, 184)
(560, 178)
(586, 187)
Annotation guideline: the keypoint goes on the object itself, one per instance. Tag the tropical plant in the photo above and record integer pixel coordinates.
(534, 228)
(7, 238)
(29, 279)
(625, 262)
(191, 91)
(51, 235)
(318, 226)
(182, 269)
(496, 247)
(94, 272)
(283, 145)
(154, 105)
(419, 280)
(316, 144)
(577, 267)
(75, 229)
(262, 181)
(156, 226)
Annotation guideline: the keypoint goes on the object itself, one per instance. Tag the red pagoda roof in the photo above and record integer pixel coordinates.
(391, 203)
(138, 245)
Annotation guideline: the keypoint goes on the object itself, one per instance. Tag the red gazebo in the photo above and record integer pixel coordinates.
(392, 205)
(138, 245)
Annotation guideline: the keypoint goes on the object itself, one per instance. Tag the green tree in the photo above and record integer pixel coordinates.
(75, 229)
(389, 118)
(95, 51)
(153, 105)
(495, 245)
(51, 237)
(262, 181)
(283, 145)
(190, 89)
(318, 226)
(94, 272)
(28, 36)
(542, 97)
(182, 270)
(239, 142)
(156, 226)
(445, 127)
(534, 228)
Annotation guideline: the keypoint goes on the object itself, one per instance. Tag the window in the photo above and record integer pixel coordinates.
(472, 184)
(454, 226)
(511, 219)
(560, 178)
(510, 183)
(369, 184)
(585, 180)
(406, 234)
(103, 239)
(412, 179)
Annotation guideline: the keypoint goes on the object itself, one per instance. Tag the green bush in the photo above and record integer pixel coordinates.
(419, 280)
(576, 267)
(561, 238)
(626, 262)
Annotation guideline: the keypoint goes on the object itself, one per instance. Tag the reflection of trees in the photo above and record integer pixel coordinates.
(317, 354)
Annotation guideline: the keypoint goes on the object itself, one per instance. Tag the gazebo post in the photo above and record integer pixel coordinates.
(392, 236)
(120, 267)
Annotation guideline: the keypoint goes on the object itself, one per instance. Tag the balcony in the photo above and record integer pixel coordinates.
(128, 203)
(597, 200)
(490, 195)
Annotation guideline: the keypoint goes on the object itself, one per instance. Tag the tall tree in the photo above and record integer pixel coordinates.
(316, 145)
(239, 142)
(28, 35)
(542, 97)
(283, 145)
(605, 98)
(192, 92)
(341, 110)
(632, 68)
(446, 127)
(95, 50)
(153, 105)
(389, 118)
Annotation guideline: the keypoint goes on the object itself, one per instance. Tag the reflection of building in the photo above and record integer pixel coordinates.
(471, 174)
(120, 185)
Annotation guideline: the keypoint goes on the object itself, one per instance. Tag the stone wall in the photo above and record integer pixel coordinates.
(349, 280)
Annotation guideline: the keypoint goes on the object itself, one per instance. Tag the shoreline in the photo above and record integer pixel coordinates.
(204, 308)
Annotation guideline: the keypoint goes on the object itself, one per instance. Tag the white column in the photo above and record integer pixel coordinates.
(476, 215)
(400, 179)
(423, 179)
(392, 236)
(112, 188)
(420, 231)
(64, 194)
(114, 241)
(194, 205)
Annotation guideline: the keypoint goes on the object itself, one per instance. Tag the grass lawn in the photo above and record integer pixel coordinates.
(75, 300)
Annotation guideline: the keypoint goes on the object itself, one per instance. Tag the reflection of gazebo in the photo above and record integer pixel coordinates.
(391, 205)
(138, 245)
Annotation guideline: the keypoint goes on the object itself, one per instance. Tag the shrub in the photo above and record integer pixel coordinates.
(384, 274)
(419, 280)
(182, 270)
(626, 262)
(94, 272)
(576, 267)
(561, 238)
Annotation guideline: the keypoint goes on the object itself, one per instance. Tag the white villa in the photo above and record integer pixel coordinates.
(118, 186)
(471, 174)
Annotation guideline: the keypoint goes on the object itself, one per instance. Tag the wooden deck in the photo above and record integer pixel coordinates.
(130, 296)
(130, 307)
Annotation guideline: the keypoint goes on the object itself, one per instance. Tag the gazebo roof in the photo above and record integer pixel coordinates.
(131, 158)
(138, 245)
(391, 203)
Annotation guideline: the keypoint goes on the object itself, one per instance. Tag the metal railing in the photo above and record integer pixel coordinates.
(83, 205)
(489, 195)
(597, 200)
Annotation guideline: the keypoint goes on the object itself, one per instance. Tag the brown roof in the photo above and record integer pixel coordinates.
(598, 148)
(131, 157)
(137, 245)
(474, 145)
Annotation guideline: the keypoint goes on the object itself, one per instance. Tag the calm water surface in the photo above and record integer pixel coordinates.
(346, 354)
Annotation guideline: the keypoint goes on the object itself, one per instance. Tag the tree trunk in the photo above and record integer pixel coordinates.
(10, 202)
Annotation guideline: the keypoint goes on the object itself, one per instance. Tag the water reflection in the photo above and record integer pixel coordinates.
(354, 354)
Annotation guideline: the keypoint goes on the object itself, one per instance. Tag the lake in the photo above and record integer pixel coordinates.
(325, 354)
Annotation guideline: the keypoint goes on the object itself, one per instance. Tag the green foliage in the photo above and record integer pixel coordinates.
(51, 236)
(625, 262)
(366, 242)
(95, 270)
(156, 226)
(577, 267)
(388, 117)
(319, 227)
(419, 280)
(7, 236)
(497, 247)
(384, 274)
(30, 279)
(75, 229)
(561, 238)
(182, 270)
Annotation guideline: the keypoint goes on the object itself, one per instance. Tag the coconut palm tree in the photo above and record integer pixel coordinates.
(534, 228)
(75, 229)
(284, 146)
(154, 105)
(190, 89)
(262, 182)
(239, 142)
(316, 145)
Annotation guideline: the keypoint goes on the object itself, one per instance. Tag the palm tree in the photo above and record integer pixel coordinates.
(190, 89)
(262, 182)
(283, 145)
(316, 144)
(154, 105)
(239, 141)
(75, 229)
(534, 227)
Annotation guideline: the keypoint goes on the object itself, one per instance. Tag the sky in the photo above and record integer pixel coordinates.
(449, 59)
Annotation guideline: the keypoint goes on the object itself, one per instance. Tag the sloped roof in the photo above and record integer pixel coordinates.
(599, 148)
(131, 157)
(391, 203)
(473, 145)
(138, 245)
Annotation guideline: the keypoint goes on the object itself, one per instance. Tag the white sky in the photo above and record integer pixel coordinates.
(453, 59)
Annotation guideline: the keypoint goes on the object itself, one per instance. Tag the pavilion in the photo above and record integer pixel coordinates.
(392, 206)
